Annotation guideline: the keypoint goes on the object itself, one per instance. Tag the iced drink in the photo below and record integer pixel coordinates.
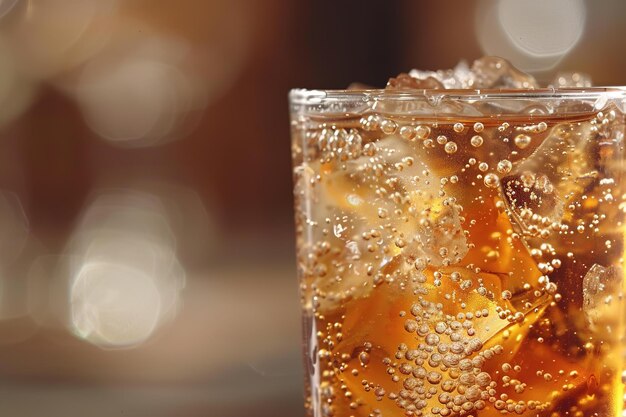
(461, 245)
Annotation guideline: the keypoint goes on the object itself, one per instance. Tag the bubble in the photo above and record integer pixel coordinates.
(410, 326)
(458, 127)
(451, 360)
(419, 372)
(364, 358)
(388, 126)
(416, 309)
(491, 180)
(441, 327)
(504, 166)
(456, 347)
(467, 406)
(372, 122)
(465, 365)
(422, 132)
(433, 377)
(442, 139)
(476, 141)
(483, 166)
(478, 127)
(483, 379)
(432, 339)
(407, 132)
(475, 344)
(423, 330)
(478, 362)
(420, 264)
(435, 360)
(522, 141)
(410, 383)
(450, 147)
(448, 385)
(405, 369)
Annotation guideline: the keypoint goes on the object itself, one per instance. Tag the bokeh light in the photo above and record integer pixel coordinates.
(125, 275)
(114, 305)
(534, 35)
(50, 37)
(140, 93)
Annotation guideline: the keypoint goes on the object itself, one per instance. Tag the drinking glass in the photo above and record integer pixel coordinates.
(460, 252)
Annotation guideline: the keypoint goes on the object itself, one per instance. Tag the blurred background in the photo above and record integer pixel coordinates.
(146, 239)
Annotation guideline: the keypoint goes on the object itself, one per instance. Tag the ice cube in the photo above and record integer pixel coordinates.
(495, 249)
(407, 81)
(395, 194)
(495, 72)
(486, 72)
(433, 230)
(368, 219)
(459, 77)
(544, 184)
(563, 197)
(602, 292)
(324, 231)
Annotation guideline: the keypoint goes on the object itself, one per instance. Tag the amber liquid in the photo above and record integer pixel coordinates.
(462, 267)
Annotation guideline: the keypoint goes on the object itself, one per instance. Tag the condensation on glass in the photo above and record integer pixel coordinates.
(461, 252)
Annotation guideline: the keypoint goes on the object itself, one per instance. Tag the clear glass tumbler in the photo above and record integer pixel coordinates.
(460, 252)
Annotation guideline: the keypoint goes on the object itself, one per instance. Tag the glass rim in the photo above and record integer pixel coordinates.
(303, 96)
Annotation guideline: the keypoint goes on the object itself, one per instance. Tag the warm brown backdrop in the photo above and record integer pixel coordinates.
(220, 171)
